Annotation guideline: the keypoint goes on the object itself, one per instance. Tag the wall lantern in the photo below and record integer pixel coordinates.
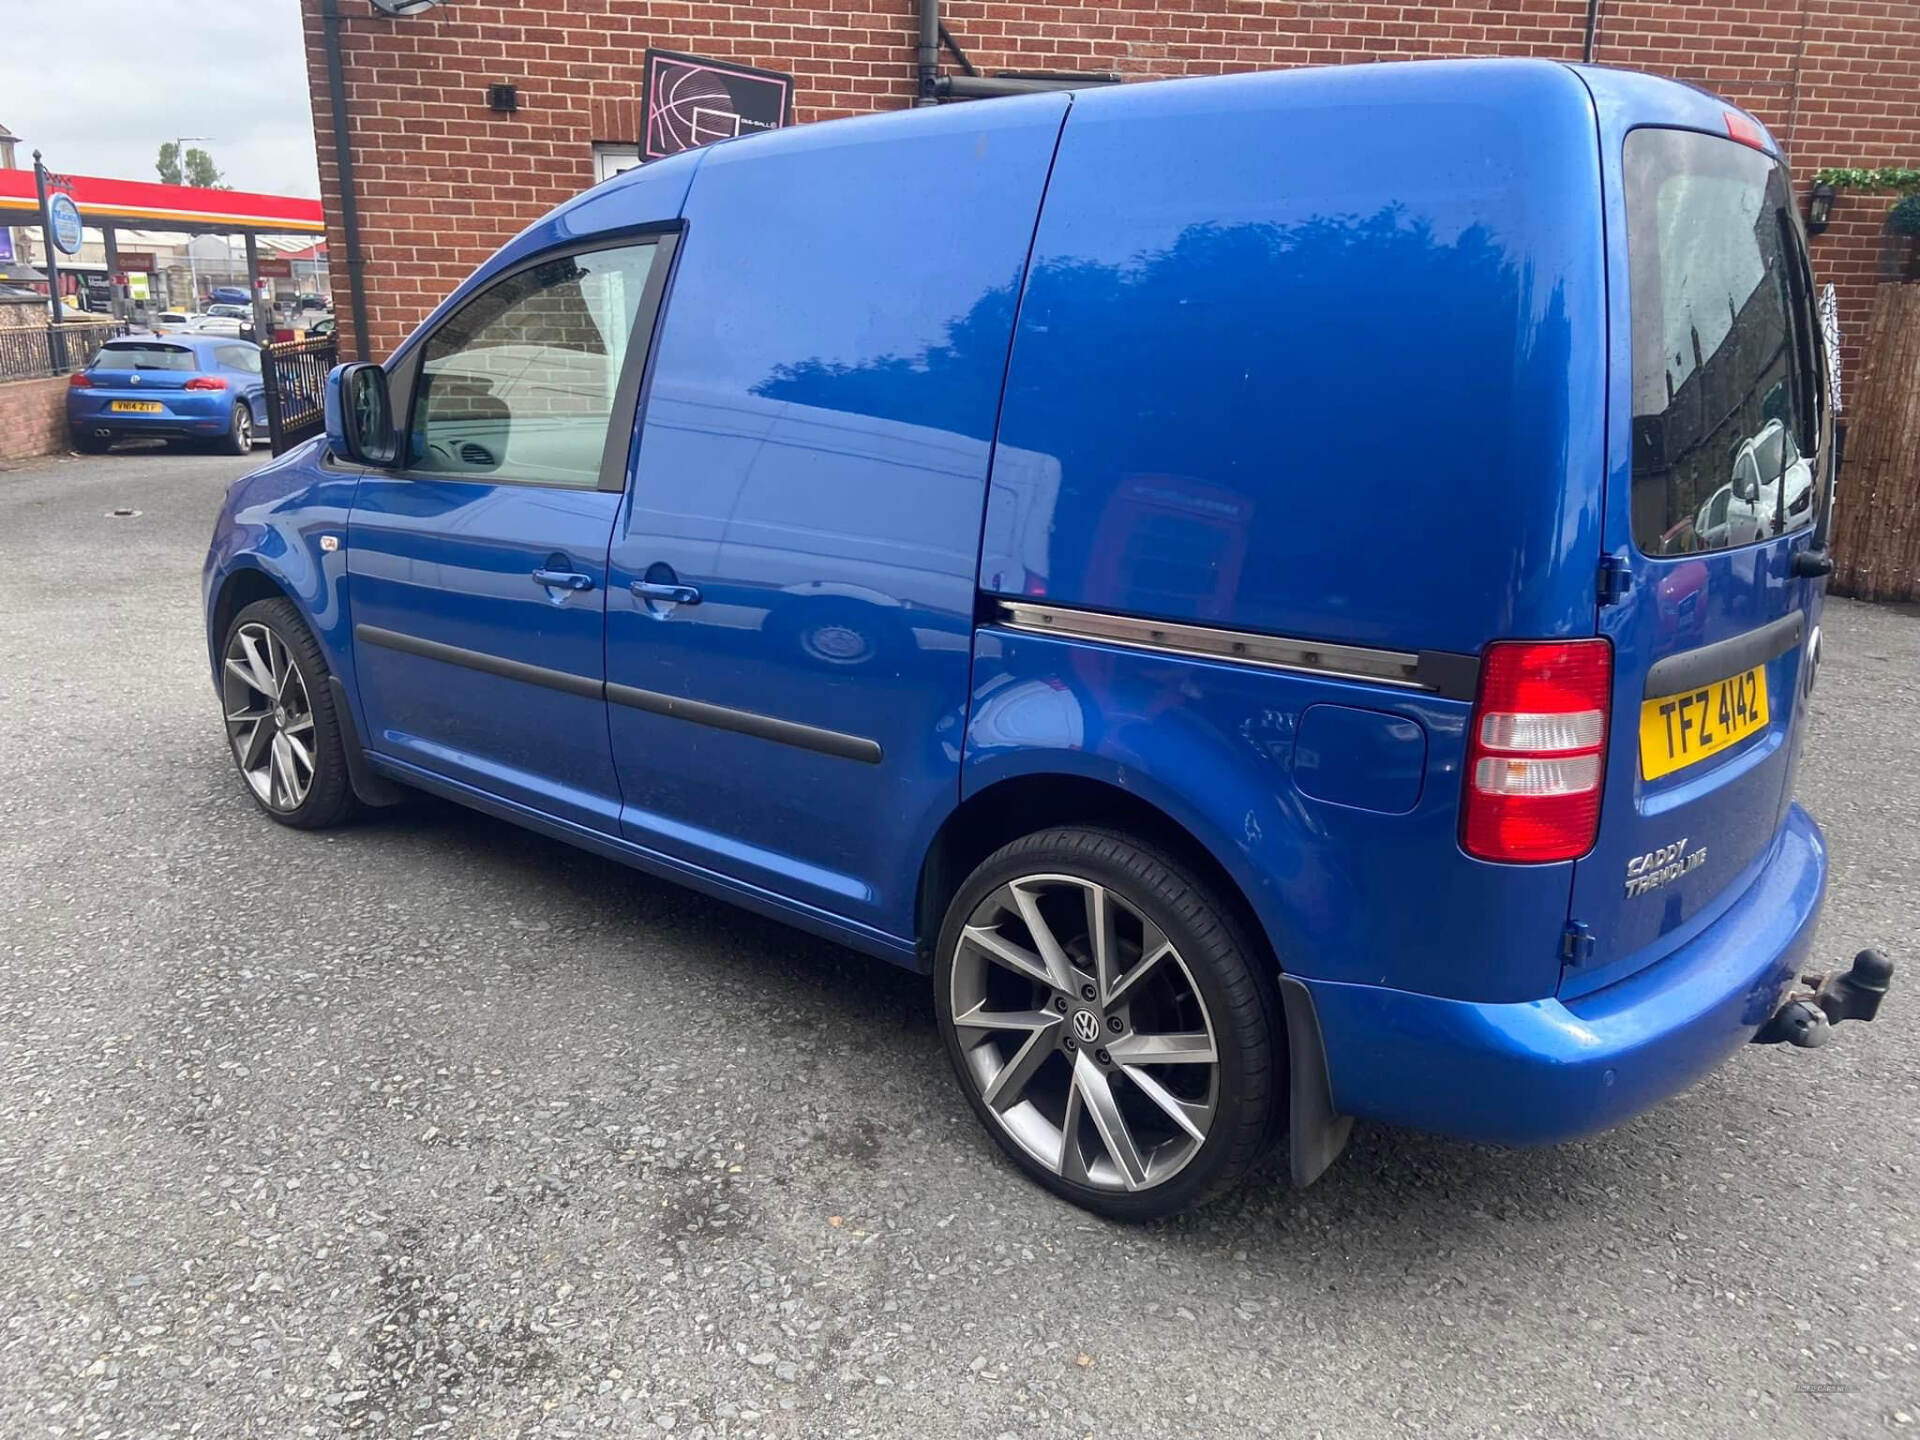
(1819, 209)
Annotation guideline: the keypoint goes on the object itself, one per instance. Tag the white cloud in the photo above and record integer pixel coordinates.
(100, 84)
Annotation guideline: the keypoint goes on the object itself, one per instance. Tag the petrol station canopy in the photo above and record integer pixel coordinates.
(148, 206)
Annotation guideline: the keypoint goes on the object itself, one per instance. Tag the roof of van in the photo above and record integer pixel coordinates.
(1626, 97)
(1640, 97)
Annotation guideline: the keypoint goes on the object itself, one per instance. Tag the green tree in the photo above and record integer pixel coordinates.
(192, 167)
(202, 171)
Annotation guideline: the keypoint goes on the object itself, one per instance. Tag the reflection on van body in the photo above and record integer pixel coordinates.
(893, 504)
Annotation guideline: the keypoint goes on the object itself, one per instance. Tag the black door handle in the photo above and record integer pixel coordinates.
(672, 594)
(563, 579)
(1812, 564)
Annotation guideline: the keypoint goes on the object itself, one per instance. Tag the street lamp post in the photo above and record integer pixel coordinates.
(193, 270)
(46, 238)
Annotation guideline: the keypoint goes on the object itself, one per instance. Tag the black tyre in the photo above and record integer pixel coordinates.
(280, 719)
(239, 439)
(1109, 1023)
(90, 444)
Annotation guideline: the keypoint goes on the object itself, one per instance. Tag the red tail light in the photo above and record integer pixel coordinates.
(78, 381)
(205, 382)
(1537, 754)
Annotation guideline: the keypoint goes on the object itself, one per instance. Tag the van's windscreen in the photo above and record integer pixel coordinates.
(1723, 397)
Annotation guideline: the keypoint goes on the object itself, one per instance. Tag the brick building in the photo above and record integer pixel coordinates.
(441, 179)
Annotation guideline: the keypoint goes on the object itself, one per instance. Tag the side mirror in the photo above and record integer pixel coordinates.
(360, 414)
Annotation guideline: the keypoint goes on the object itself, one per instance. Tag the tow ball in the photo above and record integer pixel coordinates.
(1807, 1018)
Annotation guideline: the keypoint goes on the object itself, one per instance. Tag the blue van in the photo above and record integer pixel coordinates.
(1235, 579)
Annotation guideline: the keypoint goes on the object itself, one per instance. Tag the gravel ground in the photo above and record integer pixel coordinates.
(431, 1126)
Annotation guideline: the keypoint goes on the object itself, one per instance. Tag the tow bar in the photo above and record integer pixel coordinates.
(1807, 1018)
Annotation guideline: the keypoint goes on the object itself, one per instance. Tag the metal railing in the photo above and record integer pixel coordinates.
(36, 351)
(296, 376)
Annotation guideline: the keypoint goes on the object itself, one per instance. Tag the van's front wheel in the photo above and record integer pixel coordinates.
(1107, 1022)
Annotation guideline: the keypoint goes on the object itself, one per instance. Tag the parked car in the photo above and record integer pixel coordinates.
(223, 320)
(1067, 599)
(181, 387)
(229, 295)
(1749, 506)
(320, 325)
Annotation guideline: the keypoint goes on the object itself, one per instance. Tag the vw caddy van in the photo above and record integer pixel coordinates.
(1228, 577)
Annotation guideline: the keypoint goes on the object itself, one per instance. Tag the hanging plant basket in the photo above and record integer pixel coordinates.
(1904, 218)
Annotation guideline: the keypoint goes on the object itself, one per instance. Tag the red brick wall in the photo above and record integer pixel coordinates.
(443, 181)
(33, 419)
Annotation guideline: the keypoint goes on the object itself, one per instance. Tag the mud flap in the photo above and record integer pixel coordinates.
(374, 791)
(1315, 1133)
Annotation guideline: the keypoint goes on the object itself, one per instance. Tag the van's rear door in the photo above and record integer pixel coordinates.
(1718, 473)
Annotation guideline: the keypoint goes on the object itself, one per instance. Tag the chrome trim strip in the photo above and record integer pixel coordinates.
(1204, 642)
(748, 722)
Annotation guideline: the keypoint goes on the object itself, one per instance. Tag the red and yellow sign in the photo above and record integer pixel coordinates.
(149, 206)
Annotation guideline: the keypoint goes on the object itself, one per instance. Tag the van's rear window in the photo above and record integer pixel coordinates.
(145, 357)
(1722, 345)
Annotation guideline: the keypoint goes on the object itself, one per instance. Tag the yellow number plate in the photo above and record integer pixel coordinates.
(1677, 730)
(138, 407)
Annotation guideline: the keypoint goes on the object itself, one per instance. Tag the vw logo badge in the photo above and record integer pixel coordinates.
(1086, 1025)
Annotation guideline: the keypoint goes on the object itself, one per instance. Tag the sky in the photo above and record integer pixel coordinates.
(100, 84)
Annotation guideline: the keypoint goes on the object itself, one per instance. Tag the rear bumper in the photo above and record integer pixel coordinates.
(195, 417)
(1546, 1070)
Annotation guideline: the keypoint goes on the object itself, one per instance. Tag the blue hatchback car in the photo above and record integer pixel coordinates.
(1212, 572)
(172, 387)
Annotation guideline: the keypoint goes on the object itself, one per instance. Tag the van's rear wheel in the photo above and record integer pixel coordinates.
(1108, 1023)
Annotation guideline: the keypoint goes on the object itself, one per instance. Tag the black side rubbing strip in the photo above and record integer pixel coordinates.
(720, 717)
(746, 722)
(479, 660)
(1694, 668)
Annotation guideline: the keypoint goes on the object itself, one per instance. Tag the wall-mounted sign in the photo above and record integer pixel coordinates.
(132, 260)
(274, 267)
(65, 216)
(689, 101)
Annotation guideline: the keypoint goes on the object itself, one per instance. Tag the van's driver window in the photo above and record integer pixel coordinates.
(519, 383)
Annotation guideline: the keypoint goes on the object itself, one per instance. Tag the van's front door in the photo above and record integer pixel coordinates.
(1719, 468)
(479, 571)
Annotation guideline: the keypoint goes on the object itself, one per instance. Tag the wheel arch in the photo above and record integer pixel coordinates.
(243, 585)
(1021, 804)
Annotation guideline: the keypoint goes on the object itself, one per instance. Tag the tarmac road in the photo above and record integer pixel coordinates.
(433, 1127)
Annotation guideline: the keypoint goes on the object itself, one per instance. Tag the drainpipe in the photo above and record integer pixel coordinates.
(1593, 31)
(927, 55)
(343, 161)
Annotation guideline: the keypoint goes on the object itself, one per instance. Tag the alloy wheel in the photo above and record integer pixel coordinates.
(1084, 1033)
(269, 717)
